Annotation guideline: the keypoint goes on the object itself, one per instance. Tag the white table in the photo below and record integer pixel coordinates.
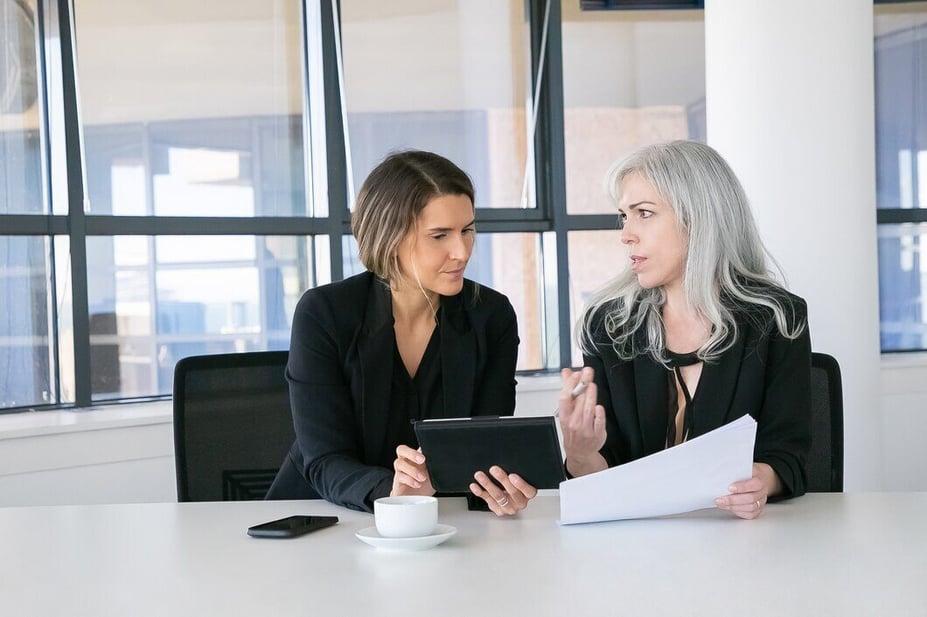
(856, 554)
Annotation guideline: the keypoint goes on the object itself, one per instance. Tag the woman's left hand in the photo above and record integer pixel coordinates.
(747, 499)
(513, 495)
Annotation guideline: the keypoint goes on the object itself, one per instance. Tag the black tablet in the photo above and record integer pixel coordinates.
(457, 448)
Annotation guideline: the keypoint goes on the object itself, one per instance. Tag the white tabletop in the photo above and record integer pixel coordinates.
(856, 554)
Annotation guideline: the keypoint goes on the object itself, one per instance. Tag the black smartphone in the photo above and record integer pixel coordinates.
(291, 526)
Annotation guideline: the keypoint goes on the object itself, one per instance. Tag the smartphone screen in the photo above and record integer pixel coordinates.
(291, 526)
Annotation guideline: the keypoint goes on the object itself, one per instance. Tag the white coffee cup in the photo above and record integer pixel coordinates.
(406, 516)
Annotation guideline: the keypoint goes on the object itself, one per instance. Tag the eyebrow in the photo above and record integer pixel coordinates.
(638, 204)
(447, 229)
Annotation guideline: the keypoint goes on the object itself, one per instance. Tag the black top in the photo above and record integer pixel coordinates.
(763, 374)
(340, 373)
(416, 398)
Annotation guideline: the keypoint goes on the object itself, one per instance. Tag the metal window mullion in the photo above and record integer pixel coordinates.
(897, 216)
(33, 225)
(76, 196)
(335, 151)
(104, 225)
(549, 154)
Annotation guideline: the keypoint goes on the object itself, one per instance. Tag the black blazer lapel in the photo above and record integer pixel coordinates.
(715, 391)
(651, 382)
(376, 353)
(651, 393)
(458, 358)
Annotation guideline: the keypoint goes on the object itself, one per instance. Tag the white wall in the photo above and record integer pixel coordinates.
(790, 104)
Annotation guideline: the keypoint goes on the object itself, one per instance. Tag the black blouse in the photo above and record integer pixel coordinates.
(412, 398)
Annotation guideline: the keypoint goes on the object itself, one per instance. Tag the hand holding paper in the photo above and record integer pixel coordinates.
(687, 477)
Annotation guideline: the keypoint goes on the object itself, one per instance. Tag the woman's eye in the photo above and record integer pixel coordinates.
(439, 236)
(646, 214)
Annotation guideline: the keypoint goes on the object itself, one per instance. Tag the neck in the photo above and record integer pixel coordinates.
(685, 328)
(676, 305)
(411, 304)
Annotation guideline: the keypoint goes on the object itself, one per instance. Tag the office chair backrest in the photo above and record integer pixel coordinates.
(232, 424)
(825, 461)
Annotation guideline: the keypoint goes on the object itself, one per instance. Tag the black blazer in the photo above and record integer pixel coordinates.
(340, 370)
(763, 374)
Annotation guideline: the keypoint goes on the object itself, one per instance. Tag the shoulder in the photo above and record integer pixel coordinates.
(351, 288)
(600, 327)
(345, 299)
(776, 310)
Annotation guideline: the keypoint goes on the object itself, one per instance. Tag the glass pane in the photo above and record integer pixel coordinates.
(192, 109)
(154, 300)
(902, 279)
(901, 106)
(630, 78)
(595, 257)
(510, 264)
(455, 85)
(20, 117)
(26, 346)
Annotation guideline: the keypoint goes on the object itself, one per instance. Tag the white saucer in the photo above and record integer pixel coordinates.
(440, 534)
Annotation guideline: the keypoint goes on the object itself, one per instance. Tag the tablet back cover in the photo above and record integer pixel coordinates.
(456, 449)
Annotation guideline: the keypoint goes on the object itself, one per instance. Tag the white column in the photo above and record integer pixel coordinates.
(790, 105)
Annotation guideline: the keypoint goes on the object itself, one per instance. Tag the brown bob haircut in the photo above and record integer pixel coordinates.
(392, 197)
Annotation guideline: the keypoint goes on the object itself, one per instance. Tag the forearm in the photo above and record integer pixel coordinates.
(769, 477)
(583, 465)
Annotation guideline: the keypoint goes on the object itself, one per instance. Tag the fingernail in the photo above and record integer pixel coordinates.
(719, 502)
(731, 488)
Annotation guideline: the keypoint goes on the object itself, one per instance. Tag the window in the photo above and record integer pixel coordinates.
(618, 96)
(901, 173)
(28, 350)
(192, 173)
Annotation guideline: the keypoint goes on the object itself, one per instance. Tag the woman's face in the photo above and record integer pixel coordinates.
(656, 244)
(438, 247)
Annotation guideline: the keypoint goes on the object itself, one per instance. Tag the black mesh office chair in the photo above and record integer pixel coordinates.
(825, 461)
(232, 424)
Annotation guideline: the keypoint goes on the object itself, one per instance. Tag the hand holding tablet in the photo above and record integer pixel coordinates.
(456, 449)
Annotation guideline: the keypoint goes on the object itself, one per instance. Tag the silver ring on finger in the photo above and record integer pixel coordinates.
(504, 501)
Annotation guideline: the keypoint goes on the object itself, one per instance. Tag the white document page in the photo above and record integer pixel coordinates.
(683, 478)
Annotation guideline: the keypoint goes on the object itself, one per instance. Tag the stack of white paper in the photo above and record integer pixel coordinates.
(686, 477)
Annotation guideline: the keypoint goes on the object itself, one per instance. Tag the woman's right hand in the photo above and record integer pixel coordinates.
(582, 423)
(411, 477)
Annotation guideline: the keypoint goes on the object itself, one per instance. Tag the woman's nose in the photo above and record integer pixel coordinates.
(627, 235)
(460, 249)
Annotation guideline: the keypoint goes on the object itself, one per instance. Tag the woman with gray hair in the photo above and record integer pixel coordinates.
(693, 334)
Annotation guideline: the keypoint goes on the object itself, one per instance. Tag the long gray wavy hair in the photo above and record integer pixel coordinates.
(726, 266)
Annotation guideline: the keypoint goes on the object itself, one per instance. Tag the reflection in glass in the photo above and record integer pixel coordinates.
(20, 117)
(156, 300)
(26, 345)
(192, 109)
(455, 85)
(901, 170)
(902, 276)
(595, 258)
(630, 78)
